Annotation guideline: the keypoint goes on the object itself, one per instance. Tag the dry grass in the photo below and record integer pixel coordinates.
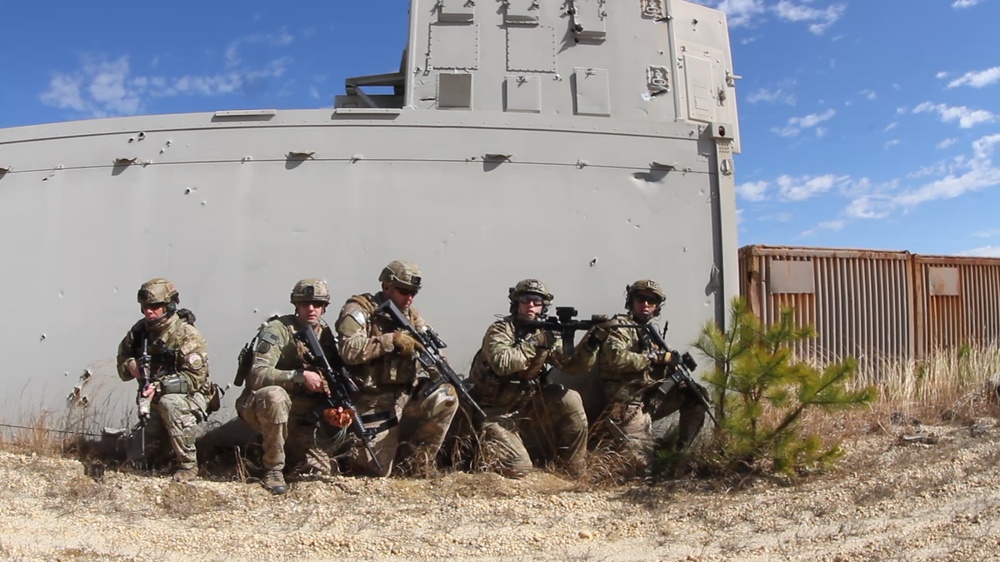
(950, 386)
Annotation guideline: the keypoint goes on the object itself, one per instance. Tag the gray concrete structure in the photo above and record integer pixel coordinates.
(586, 143)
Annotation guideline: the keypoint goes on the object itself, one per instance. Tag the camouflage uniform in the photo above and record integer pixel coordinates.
(179, 360)
(628, 365)
(527, 417)
(392, 380)
(276, 403)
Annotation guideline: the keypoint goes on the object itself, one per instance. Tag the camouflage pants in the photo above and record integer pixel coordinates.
(424, 418)
(175, 417)
(287, 426)
(549, 427)
(633, 424)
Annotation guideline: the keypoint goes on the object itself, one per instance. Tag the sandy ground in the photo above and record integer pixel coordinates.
(890, 500)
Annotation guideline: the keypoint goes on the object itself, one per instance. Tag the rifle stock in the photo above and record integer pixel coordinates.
(430, 357)
(340, 385)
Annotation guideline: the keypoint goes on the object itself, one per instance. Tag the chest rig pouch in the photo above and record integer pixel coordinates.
(391, 369)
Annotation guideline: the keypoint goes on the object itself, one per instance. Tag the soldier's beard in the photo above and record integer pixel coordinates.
(641, 318)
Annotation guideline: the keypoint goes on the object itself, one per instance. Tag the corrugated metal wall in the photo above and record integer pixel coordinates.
(874, 304)
(961, 301)
(859, 301)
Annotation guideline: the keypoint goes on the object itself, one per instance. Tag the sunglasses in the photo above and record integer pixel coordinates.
(650, 299)
(406, 292)
(532, 300)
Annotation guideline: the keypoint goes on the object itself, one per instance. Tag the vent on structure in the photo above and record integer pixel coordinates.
(456, 10)
(587, 19)
(592, 91)
(521, 12)
(523, 93)
(454, 91)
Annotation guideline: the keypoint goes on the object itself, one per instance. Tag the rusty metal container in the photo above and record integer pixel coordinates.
(872, 304)
(859, 301)
(959, 301)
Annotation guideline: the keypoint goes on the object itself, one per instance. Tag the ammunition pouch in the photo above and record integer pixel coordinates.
(174, 384)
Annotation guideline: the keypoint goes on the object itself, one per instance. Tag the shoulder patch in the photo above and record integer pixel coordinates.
(195, 361)
(269, 337)
(262, 347)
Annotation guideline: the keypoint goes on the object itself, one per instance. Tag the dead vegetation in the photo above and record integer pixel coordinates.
(919, 480)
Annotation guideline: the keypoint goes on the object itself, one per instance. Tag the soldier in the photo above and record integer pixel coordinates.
(524, 412)
(381, 358)
(172, 373)
(628, 366)
(283, 395)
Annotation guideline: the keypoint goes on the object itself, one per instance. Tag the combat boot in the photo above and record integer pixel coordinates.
(185, 474)
(274, 481)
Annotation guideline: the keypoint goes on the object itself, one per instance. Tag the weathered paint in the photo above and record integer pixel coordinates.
(860, 300)
(234, 207)
(875, 304)
(962, 301)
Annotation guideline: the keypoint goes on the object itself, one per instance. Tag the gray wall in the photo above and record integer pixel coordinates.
(214, 203)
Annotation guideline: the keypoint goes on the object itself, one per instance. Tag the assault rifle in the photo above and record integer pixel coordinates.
(338, 400)
(563, 324)
(142, 361)
(429, 355)
(680, 373)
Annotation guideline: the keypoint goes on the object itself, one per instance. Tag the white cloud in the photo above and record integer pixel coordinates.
(806, 187)
(890, 126)
(870, 94)
(891, 143)
(796, 124)
(102, 88)
(833, 225)
(752, 190)
(987, 233)
(280, 38)
(941, 75)
(772, 96)
(820, 132)
(966, 117)
(983, 252)
(870, 207)
(823, 18)
(739, 12)
(946, 143)
(313, 92)
(977, 79)
(979, 172)
(965, 3)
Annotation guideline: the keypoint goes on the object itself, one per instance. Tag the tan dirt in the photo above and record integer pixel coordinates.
(890, 500)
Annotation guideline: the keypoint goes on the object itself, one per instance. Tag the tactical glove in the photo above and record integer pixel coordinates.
(667, 358)
(405, 343)
(597, 336)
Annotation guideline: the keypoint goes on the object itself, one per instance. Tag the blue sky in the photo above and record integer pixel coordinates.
(865, 123)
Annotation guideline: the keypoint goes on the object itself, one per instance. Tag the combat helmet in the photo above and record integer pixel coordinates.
(310, 290)
(529, 287)
(158, 291)
(402, 275)
(645, 286)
